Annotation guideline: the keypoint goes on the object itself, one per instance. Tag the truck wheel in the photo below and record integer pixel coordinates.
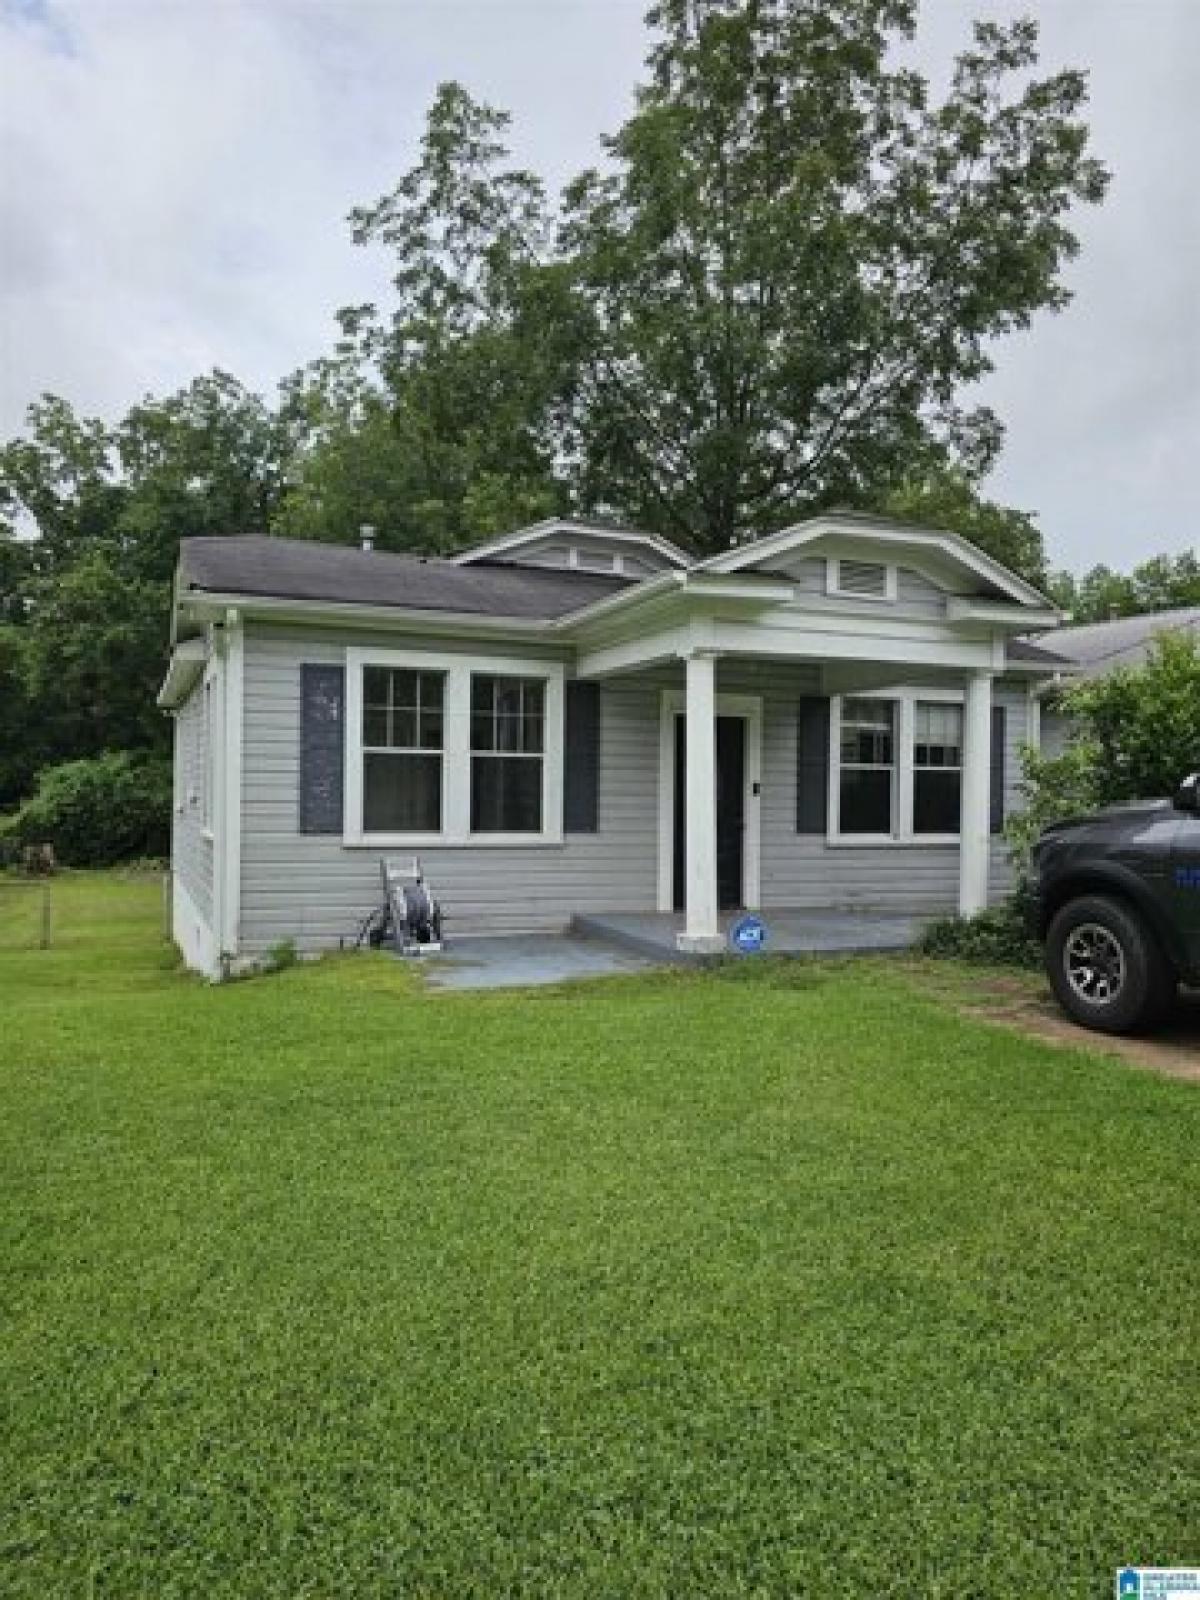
(1105, 966)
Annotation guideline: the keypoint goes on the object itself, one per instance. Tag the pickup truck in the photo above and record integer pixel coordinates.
(1116, 902)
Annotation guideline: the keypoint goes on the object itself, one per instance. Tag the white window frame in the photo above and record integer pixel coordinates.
(902, 834)
(457, 670)
(833, 583)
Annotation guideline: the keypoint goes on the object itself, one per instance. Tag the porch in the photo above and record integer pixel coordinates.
(655, 935)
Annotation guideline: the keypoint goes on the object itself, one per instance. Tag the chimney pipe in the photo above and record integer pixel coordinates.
(366, 534)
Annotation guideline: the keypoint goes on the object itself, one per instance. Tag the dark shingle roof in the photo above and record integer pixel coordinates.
(303, 569)
(1100, 647)
(1036, 654)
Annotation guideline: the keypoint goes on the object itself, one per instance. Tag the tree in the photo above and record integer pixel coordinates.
(795, 262)
(1136, 735)
(947, 499)
(434, 419)
(1159, 584)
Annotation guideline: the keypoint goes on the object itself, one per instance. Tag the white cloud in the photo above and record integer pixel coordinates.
(174, 177)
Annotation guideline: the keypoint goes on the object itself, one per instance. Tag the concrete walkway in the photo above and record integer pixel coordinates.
(517, 961)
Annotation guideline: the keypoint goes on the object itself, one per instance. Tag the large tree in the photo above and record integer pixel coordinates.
(796, 261)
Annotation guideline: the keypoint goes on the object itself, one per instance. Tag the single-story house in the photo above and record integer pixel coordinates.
(582, 719)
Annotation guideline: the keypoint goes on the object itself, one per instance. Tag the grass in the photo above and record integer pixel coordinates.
(782, 1280)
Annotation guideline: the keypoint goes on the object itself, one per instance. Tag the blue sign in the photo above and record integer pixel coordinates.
(748, 936)
(1129, 1585)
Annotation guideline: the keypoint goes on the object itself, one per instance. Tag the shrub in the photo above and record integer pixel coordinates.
(98, 811)
(997, 937)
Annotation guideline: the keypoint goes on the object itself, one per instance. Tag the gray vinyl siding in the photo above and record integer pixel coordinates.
(917, 599)
(316, 891)
(191, 849)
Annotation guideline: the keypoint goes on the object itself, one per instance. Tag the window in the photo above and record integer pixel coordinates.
(446, 748)
(896, 766)
(507, 744)
(402, 745)
(867, 766)
(937, 767)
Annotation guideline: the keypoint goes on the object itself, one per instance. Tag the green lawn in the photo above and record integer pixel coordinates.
(774, 1281)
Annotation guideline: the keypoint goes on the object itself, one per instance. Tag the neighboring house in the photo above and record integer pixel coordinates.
(584, 719)
(1094, 649)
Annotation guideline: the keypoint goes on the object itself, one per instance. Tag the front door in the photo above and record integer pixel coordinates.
(731, 811)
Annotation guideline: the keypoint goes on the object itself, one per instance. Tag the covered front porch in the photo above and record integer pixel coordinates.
(657, 935)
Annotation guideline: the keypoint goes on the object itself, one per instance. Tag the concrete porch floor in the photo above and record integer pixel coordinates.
(815, 931)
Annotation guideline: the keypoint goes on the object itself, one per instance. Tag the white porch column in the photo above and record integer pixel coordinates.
(975, 847)
(701, 930)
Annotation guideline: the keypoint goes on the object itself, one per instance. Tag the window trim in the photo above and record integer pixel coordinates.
(457, 671)
(833, 585)
(903, 835)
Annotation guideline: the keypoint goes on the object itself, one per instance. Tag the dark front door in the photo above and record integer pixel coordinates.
(731, 810)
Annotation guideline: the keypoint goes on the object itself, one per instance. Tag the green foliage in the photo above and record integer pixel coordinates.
(281, 956)
(1136, 737)
(99, 811)
(1156, 585)
(996, 937)
(947, 499)
(794, 260)
(1052, 788)
(676, 1285)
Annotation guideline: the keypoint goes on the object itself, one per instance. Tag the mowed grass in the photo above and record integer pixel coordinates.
(773, 1281)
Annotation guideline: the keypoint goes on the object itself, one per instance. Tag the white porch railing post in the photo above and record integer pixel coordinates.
(975, 847)
(701, 926)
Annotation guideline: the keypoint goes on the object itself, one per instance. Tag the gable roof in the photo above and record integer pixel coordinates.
(304, 569)
(1099, 647)
(507, 544)
(885, 531)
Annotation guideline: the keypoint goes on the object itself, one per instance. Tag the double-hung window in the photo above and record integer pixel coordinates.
(454, 749)
(937, 767)
(867, 769)
(403, 733)
(897, 767)
(508, 717)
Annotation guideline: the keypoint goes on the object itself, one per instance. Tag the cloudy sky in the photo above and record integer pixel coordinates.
(175, 174)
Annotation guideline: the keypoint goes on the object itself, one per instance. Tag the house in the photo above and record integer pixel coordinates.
(578, 718)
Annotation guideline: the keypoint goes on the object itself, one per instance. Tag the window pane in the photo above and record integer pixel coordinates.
(431, 691)
(533, 704)
(481, 694)
(508, 732)
(483, 730)
(866, 800)
(404, 730)
(506, 794)
(404, 689)
(375, 727)
(375, 686)
(533, 735)
(936, 801)
(937, 736)
(431, 730)
(402, 794)
(508, 696)
(868, 737)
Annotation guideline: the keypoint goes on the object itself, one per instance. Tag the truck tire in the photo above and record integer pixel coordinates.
(1105, 966)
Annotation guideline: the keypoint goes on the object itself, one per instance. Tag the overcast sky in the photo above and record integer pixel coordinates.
(175, 174)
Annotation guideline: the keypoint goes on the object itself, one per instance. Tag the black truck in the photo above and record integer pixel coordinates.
(1116, 902)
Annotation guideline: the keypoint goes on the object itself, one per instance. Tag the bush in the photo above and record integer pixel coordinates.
(99, 811)
(996, 937)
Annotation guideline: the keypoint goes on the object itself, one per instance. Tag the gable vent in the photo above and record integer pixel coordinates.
(866, 579)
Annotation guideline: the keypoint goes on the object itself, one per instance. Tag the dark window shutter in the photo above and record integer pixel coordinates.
(581, 759)
(322, 747)
(999, 739)
(812, 765)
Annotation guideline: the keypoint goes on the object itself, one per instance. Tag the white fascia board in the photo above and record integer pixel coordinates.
(207, 606)
(565, 526)
(687, 585)
(950, 544)
(963, 608)
(183, 672)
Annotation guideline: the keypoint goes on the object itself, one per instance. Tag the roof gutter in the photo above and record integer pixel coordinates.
(205, 605)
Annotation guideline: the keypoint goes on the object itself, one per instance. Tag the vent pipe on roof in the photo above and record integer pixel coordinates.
(366, 534)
